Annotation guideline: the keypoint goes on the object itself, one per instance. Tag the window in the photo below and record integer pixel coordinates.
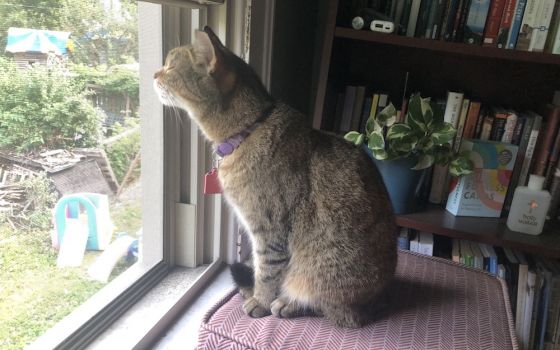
(179, 226)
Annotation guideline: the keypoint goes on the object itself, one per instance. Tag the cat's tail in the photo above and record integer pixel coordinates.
(243, 275)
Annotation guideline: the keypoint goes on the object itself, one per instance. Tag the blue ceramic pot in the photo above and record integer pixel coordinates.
(401, 181)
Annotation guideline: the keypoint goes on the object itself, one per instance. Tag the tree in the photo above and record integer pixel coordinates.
(40, 108)
(102, 35)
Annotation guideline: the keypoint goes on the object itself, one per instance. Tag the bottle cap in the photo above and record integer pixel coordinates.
(536, 182)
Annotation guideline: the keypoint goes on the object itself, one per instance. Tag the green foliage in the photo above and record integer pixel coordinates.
(122, 152)
(424, 134)
(40, 192)
(116, 79)
(100, 35)
(41, 108)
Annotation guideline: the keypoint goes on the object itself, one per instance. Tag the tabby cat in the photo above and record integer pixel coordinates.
(317, 212)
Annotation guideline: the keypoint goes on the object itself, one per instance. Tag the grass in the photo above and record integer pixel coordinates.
(34, 293)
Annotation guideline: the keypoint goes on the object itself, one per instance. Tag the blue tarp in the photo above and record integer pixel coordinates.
(36, 40)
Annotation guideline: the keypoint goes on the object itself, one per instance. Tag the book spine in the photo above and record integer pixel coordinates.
(374, 104)
(472, 119)
(463, 20)
(505, 23)
(365, 114)
(349, 99)
(476, 20)
(399, 10)
(480, 123)
(449, 20)
(423, 15)
(527, 25)
(537, 122)
(405, 17)
(487, 126)
(554, 194)
(518, 131)
(358, 107)
(553, 160)
(493, 22)
(542, 26)
(516, 24)
(431, 19)
(553, 31)
(509, 128)
(413, 18)
(457, 21)
(521, 155)
(439, 176)
(461, 124)
(438, 20)
(541, 157)
(498, 126)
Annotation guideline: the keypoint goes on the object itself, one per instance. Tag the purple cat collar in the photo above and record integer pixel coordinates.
(229, 145)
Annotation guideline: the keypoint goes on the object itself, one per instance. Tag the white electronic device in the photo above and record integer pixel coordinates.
(382, 26)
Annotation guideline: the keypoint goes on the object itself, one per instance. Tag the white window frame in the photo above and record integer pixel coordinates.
(165, 193)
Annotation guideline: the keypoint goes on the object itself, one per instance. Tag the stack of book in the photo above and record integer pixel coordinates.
(533, 283)
(529, 25)
(536, 136)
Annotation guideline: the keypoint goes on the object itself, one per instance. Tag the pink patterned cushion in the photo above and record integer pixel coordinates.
(433, 304)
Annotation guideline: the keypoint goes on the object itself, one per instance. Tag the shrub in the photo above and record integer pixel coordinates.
(41, 108)
(122, 152)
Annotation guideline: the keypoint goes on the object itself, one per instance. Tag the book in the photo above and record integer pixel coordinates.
(426, 243)
(365, 114)
(537, 309)
(552, 160)
(553, 311)
(512, 273)
(459, 20)
(423, 14)
(472, 118)
(554, 194)
(516, 24)
(466, 253)
(438, 19)
(403, 24)
(349, 100)
(399, 10)
(374, 105)
(476, 21)
(529, 152)
(521, 296)
(448, 20)
(490, 258)
(487, 127)
(518, 131)
(498, 124)
(403, 240)
(455, 251)
(478, 258)
(358, 108)
(493, 22)
(461, 124)
(414, 243)
(553, 36)
(528, 25)
(542, 25)
(542, 153)
(505, 23)
(413, 18)
(527, 122)
(529, 305)
(338, 112)
(383, 102)
(480, 122)
(483, 192)
(439, 175)
(431, 18)
(509, 127)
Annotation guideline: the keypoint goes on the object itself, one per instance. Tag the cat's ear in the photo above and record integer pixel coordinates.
(204, 46)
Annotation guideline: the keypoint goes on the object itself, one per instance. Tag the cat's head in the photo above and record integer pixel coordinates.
(218, 89)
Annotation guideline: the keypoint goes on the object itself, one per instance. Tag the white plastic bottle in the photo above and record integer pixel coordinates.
(529, 207)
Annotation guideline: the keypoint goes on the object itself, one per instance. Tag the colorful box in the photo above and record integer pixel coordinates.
(483, 192)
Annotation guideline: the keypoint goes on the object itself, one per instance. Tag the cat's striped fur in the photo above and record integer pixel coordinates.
(319, 218)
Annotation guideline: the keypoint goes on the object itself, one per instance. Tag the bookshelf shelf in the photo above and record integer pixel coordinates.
(436, 219)
(447, 47)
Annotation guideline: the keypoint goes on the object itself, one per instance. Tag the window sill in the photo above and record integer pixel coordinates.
(150, 318)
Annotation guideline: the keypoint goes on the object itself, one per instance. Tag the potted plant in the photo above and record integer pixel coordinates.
(401, 150)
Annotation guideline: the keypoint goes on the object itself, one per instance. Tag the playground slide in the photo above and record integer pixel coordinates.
(101, 269)
(73, 246)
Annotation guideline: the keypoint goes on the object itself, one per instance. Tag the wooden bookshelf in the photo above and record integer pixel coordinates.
(437, 220)
(497, 77)
(447, 47)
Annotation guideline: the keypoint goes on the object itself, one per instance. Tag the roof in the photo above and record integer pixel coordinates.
(37, 40)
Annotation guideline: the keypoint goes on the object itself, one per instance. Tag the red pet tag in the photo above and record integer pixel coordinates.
(212, 183)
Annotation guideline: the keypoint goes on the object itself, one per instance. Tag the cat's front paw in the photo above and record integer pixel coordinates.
(283, 308)
(252, 308)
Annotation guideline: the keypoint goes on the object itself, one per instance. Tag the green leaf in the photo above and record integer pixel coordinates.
(380, 154)
(387, 116)
(425, 161)
(360, 140)
(352, 136)
(427, 113)
(443, 134)
(425, 144)
(398, 131)
(372, 125)
(376, 141)
(461, 166)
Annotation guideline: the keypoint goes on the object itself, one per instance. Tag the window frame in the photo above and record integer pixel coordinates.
(161, 190)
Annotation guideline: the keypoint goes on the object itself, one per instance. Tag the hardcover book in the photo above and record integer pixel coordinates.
(493, 22)
(476, 21)
(505, 23)
(516, 24)
(482, 193)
